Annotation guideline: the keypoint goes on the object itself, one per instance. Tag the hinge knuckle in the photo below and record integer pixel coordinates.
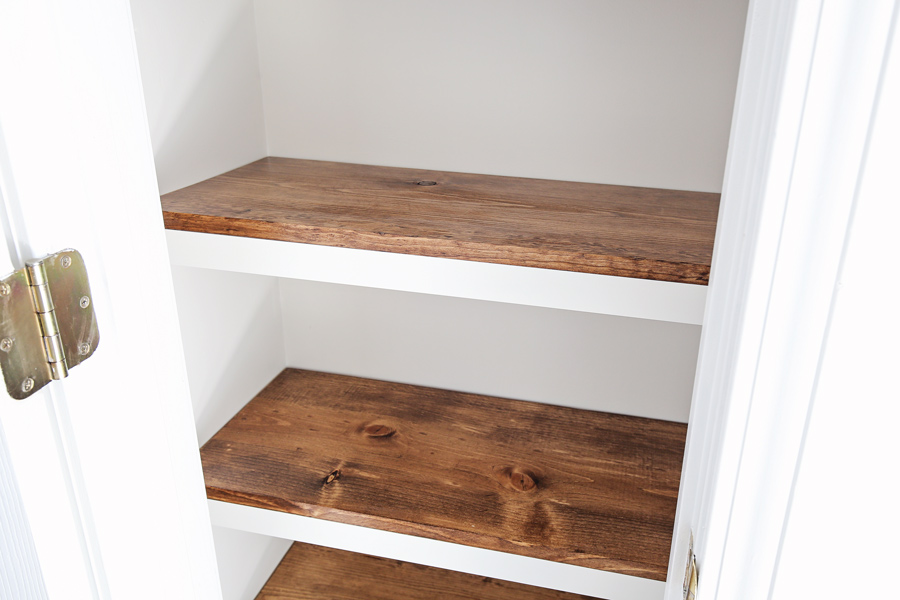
(53, 349)
(58, 370)
(37, 273)
(43, 301)
(46, 313)
(49, 324)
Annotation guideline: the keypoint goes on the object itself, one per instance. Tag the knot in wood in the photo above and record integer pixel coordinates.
(522, 481)
(518, 478)
(378, 430)
(333, 476)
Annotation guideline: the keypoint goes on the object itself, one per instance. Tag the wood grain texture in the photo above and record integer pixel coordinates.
(611, 230)
(315, 573)
(581, 487)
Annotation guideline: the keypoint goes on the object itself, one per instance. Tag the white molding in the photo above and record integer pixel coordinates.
(20, 571)
(843, 495)
(81, 167)
(807, 87)
(47, 547)
(436, 553)
(603, 294)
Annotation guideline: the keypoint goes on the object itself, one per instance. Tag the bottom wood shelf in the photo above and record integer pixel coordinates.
(314, 573)
(586, 488)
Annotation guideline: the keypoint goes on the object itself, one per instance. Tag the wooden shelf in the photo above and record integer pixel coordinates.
(314, 573)
(591, 489)
(644, 233)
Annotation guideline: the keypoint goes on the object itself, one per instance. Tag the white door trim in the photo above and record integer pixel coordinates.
(807, 90)
(80, 164)
(20, 571)
(38, 454)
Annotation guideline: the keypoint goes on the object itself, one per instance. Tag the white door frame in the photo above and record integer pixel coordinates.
(20, 569)
(809, 84)
(76, 169)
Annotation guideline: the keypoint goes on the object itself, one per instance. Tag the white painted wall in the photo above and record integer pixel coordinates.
(633, 93)
(201, 85)
(246, 561)
(629, 366)
(233, 341)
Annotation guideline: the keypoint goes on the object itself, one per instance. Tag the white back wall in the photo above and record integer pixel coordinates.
(200, 72)
(615, 364)
(632, 93)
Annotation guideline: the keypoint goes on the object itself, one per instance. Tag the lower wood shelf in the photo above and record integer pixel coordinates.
(314, 573)
(586, 488)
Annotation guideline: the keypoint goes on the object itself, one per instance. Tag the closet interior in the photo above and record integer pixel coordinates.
(440, 271)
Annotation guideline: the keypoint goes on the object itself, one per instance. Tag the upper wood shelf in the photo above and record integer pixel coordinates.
(586, 488)
(643, 233)
(316, 573)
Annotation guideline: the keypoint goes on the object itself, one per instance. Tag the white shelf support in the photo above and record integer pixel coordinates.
(547, 288)
(435, 553)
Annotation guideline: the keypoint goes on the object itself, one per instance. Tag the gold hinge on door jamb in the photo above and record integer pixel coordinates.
(47, 322)
(691, 575)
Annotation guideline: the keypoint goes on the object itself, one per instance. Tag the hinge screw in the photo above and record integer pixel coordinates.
(66, 262)
(84, 302)
(83, 349)
(28, 385)
(4, 289)
(6, 344)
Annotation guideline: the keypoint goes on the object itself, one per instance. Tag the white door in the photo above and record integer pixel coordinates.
(102, 490)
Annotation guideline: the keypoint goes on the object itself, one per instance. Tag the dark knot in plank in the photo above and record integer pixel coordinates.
(333, 476)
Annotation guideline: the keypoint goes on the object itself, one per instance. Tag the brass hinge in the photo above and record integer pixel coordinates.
(691, 574)
(47, 322)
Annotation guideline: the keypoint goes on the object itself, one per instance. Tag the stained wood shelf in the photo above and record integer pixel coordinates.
(586, 488)
(654, 234)
(314, 573)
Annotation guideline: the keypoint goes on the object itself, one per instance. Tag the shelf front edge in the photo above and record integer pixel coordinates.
(434, 553)
(546, 288)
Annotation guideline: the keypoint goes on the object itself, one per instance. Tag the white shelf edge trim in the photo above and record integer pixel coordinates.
(435, 553)
(546, 288)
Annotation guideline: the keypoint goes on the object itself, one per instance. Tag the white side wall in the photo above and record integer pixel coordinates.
(632, 93)
(201, 84)
(231, 329)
